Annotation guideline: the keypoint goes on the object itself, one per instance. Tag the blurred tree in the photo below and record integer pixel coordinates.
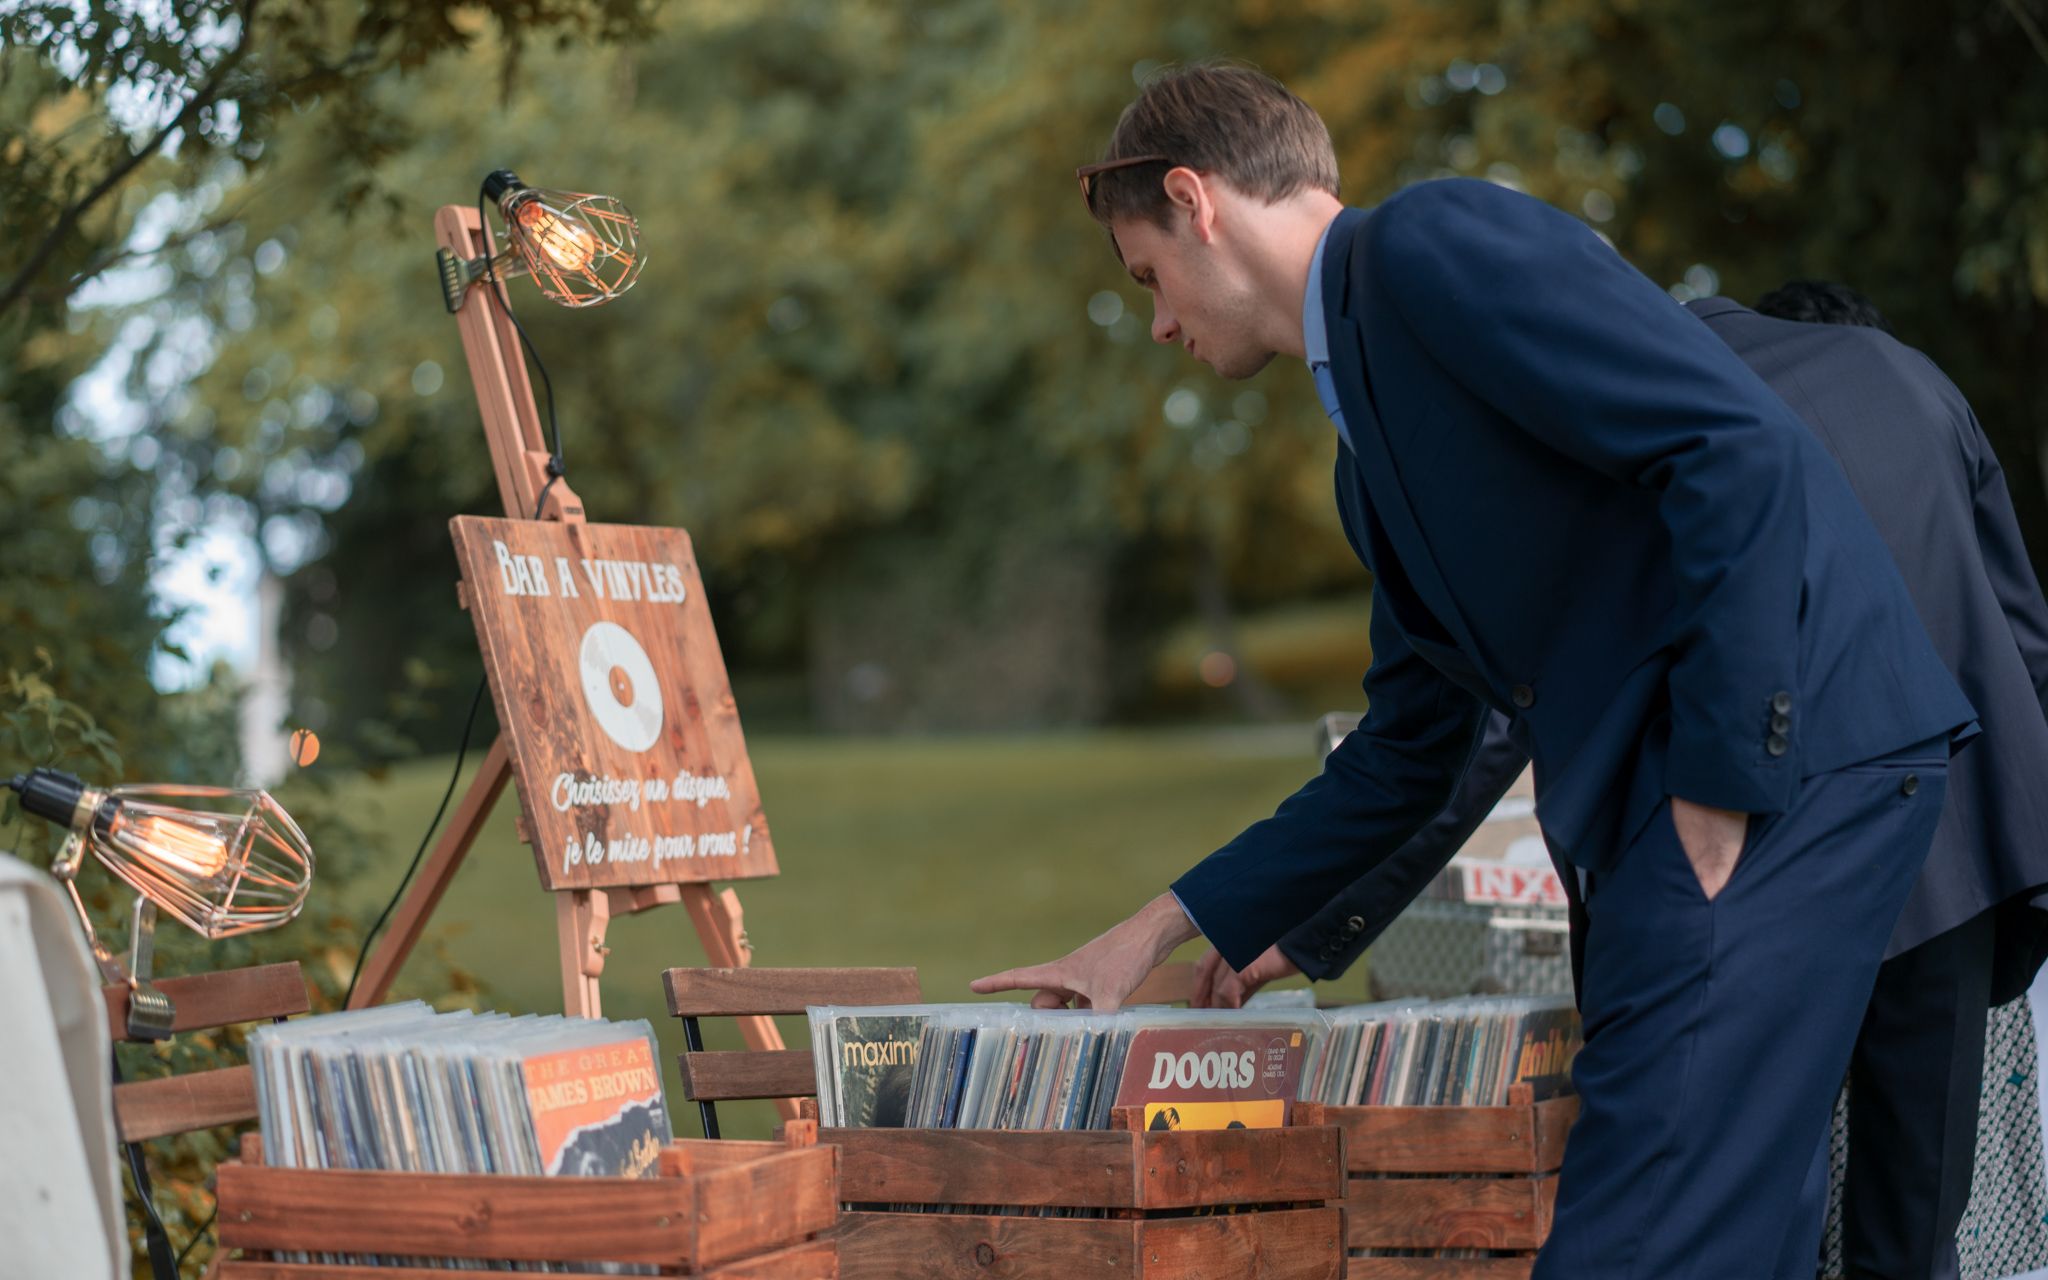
(883, 368)
(881, 362)
(122, 127)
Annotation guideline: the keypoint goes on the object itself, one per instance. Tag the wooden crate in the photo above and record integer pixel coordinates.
(1259, 1204)
(1232, 1204)
(718, 1210)
(1449, 1178)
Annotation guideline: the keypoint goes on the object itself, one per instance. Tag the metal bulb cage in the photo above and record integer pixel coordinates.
(582, 250)
(223, 861)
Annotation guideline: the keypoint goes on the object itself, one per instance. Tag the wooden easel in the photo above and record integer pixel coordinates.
(504, 393)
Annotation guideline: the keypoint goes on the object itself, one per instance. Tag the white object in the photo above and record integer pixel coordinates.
(610, 658)
(60, 1192)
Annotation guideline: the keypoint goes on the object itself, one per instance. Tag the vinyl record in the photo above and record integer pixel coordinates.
(620, 686)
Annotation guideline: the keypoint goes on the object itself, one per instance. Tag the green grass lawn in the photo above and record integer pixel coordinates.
(959, 855)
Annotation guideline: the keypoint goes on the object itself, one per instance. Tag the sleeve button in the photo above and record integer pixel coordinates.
(1781, 702)
(1777, 744)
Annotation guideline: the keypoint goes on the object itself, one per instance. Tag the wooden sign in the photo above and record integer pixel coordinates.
(610, 686)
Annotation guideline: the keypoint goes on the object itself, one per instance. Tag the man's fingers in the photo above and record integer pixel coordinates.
(1050, 999)
(1035, 975)
(1204, 994)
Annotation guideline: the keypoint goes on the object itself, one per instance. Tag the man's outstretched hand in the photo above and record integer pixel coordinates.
(1218, 986)
(1100, 974)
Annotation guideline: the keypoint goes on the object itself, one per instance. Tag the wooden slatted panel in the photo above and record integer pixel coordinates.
(440, 1215)
(205, 1000)
(812, 1260)
(715, 993)
(146, 1109)
(750, 1208)
(1083, 1169)
(1514, 1139)
(1450, 1213)
(815, 1260)
(1170, 983)
(1291, 1244)
(726, 1077)
(1441, 1268)
(1190, 1168)
(933, 1246)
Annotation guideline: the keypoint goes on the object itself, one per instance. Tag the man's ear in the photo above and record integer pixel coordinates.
(1193, 201)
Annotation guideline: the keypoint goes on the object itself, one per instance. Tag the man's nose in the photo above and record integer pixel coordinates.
(1164, 327)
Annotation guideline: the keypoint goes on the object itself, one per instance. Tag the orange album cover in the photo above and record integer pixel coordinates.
(597, 1111)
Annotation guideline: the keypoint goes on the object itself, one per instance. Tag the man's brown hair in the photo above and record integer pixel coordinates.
(1219, 118)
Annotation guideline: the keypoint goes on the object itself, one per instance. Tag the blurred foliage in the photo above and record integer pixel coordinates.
(879, 339)
(123, 128)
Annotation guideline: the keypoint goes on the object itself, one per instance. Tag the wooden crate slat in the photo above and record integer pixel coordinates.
(1191, 1167)
(715, 993)
(1170, 983)
(439, 1215)
(720, 1076)
(750, 1208)
(145, 1109)
(1554, 1120)
(694, 1155)
(946, 1246)
(206, 1000)
(1450, 1213)
(1290, 1244)
(260, 1269)
(1513, 1139)
(1078, 1169)
(813, 1260)
(1441, 1268)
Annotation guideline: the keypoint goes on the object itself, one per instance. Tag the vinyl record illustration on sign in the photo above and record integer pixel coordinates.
(620, 686)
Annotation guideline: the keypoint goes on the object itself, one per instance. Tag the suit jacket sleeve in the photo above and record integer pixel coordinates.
(1327, 944)
(2005, 556)
(1530, 312)
(1378, 786)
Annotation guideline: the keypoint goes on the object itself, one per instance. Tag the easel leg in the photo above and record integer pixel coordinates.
(442, 864)
(581, 918)
(717, 917)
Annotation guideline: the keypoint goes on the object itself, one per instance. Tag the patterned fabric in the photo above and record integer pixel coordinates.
(2005, 1229)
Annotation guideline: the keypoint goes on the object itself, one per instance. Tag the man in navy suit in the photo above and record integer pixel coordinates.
(1970, 936)
(1581, 510)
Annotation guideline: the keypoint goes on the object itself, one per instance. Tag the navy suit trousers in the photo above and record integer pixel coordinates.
(1718, 1032)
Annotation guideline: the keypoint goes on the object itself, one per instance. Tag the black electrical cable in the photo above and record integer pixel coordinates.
(467, 725)
(155, 1238)
(198, 1234)
(557, 467)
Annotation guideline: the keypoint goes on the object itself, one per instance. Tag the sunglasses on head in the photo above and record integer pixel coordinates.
(1087, 174)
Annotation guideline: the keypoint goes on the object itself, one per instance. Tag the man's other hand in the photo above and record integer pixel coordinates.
(1218, 986)
(1102, 973)
(1712, 840)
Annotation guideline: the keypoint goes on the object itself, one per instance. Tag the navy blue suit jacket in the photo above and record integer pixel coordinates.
(1920, 464)
(1582, 509)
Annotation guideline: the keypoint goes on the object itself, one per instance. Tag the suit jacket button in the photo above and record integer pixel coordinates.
(1781, 702)
(1910, 785)
(1777, 744)
(1354, 926)
(1522, 696)
(1781, 724)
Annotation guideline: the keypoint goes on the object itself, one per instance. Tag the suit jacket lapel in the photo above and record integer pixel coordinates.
(1344, 284)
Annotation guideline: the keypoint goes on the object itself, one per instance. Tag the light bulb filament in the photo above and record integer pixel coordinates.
(567, 242)
(174, 845)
